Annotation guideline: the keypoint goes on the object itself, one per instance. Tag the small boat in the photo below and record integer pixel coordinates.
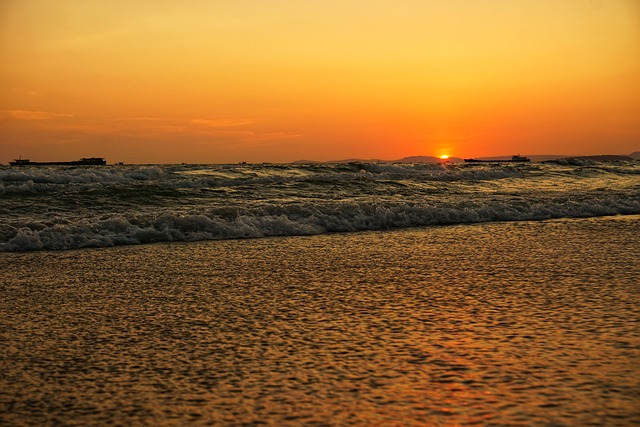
(514, 159)
(85, 161)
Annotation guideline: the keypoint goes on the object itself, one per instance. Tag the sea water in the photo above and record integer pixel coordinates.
(80, 207)
(486, 321)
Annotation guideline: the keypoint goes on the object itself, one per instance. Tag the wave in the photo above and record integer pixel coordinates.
(57, 179)
(293, 220)
(52, 208)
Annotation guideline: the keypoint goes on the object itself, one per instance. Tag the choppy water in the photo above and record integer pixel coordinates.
(532, 323)
(78, 207)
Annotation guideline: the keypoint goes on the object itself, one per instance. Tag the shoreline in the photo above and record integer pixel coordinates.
(500, 323)
(330, 233)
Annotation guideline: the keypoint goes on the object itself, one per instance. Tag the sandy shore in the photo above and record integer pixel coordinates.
(528, 323)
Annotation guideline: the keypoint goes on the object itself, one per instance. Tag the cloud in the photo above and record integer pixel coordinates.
(236, 131)
(217, 123)
(213, 123)
(30, 115)
(141, 119)
(229, 129)
(269, 136)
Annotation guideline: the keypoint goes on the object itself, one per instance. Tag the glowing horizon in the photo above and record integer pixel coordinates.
(275, 81)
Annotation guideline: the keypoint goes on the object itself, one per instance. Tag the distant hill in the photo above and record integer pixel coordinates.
(358, 161)
(596, 158)
(304, 162)
(420, 159)
(599, 158)
(534, 158)
(607, 158)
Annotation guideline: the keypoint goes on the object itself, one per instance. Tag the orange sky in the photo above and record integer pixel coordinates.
(161, 81)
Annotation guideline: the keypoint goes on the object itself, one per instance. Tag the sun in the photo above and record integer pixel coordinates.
(444, 157)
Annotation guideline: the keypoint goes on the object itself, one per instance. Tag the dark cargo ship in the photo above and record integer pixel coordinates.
(85, 161)
(514, 159)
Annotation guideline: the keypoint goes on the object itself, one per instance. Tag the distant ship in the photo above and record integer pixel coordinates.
(85, 161)
(514, 159)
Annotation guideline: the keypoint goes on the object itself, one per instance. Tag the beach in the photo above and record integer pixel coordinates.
(495, 324)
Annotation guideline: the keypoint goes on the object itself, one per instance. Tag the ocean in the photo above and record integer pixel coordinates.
(321, 295)
(53, 208)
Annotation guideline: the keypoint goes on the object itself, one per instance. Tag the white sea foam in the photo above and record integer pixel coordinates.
(294, 220)
(65, 208)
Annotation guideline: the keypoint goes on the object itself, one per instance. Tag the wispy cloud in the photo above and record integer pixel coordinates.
(218, 123)
(238, 131)
(142, 119)
(228, 129)
(212, 123)
(31, 115)
(269, 136)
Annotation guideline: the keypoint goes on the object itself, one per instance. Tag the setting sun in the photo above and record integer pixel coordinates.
(444, 157)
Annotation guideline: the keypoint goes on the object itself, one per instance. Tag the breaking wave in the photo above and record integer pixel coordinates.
(68, 208)
(290, 221)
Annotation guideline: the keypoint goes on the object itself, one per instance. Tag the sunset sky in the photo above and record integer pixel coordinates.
(163, 81)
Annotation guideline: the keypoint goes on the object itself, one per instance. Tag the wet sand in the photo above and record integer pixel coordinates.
(504, 324)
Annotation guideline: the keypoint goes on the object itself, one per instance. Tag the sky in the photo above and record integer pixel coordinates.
(221, 81)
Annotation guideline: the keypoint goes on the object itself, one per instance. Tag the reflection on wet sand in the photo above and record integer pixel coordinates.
(530, 323)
